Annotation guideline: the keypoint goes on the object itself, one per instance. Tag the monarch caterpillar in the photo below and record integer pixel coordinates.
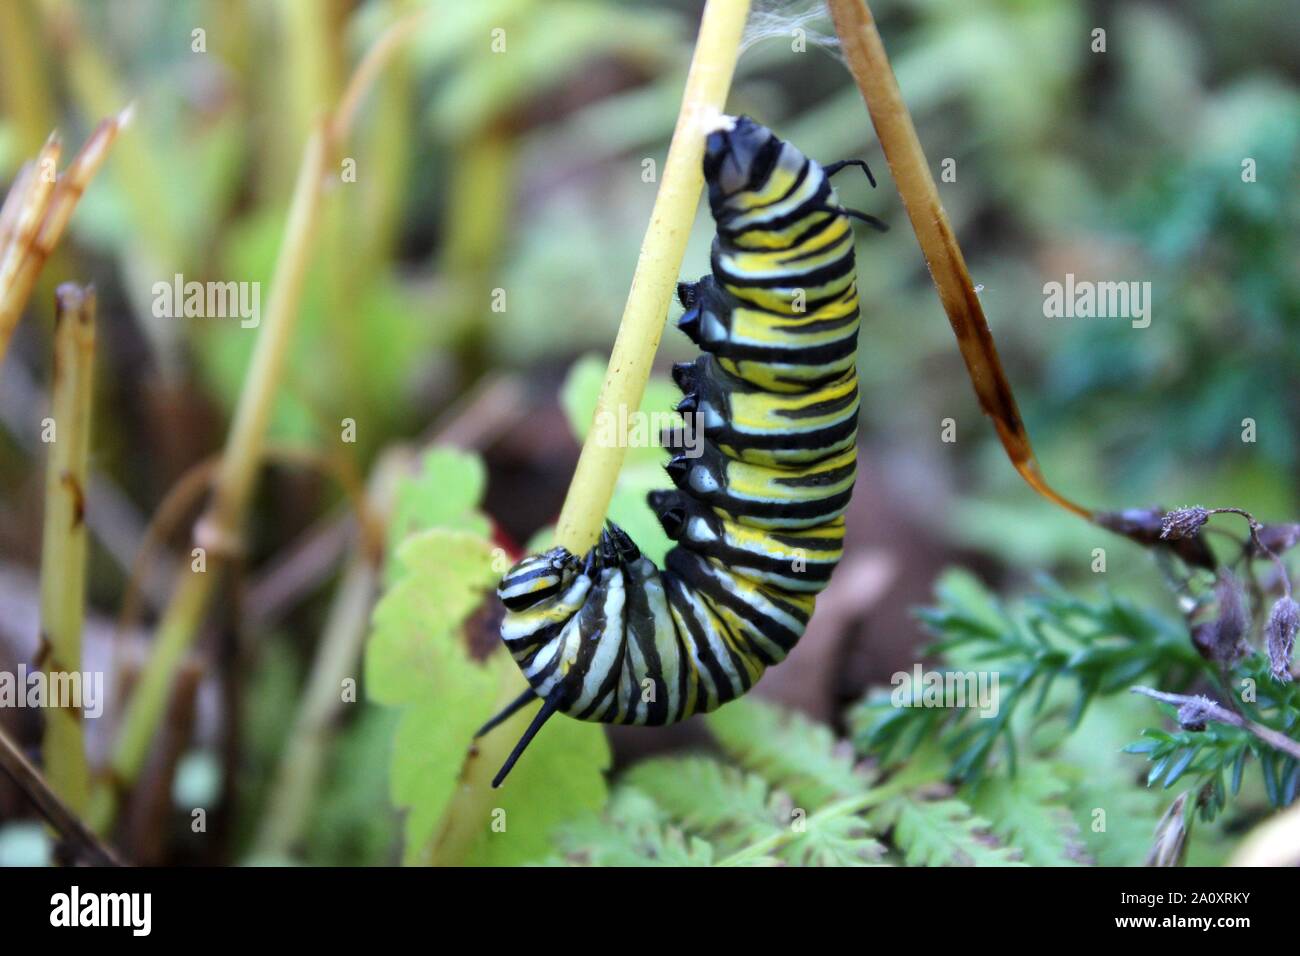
(758, 515)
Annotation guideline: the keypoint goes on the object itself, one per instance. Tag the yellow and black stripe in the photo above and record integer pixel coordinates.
(757, 515)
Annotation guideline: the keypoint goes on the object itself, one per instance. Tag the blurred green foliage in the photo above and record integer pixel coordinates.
(523, 171)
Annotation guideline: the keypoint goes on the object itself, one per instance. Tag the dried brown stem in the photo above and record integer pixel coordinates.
(36, 213)
(68, 824)
(865, 54)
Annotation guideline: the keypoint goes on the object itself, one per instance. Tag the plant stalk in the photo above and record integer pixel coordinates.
(219, 530)
(712, 65)
(657, 269)
(63, 544)
(865, 54)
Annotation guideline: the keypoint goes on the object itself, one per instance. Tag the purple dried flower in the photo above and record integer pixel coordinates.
(1183, 523)
(1276, 538)
(1283, 622)
(1194, 714)
(1223, 639)
(1143, 526)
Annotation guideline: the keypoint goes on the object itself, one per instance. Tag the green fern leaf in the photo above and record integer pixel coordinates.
(444, 493)
(730, 807)
(792, 752)
(941, 833)
(840, 840)
(1028, 811)
(632, 832)
(743, 817)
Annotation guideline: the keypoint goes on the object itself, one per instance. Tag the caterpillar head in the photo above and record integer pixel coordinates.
(537, 578)
(740, 160)
(733, 158)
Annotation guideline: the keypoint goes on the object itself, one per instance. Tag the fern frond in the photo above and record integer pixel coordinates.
(632, 832)
(944, 832)
(705, 797)
(1028, 811)
(1101, 647)
(834, 840)
(798, 755)
(741, 814)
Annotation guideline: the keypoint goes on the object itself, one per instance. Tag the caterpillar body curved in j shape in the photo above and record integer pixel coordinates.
(757, 516)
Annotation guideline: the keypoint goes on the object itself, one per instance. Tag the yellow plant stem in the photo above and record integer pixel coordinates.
(313, 69)
(865, 54)
(383, 193)
(479, 206)
(657, 269)
(242, 456)
(63, 544)
(662, 249)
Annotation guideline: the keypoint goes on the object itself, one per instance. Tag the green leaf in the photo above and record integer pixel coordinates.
(1028, 811)
(723, 804)
(562, 776)
(745, 819)
(794, 753)
(445, 493)
(416, 659)
(633, 831)
(837, 840)
(941, 833)
(415, 646)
